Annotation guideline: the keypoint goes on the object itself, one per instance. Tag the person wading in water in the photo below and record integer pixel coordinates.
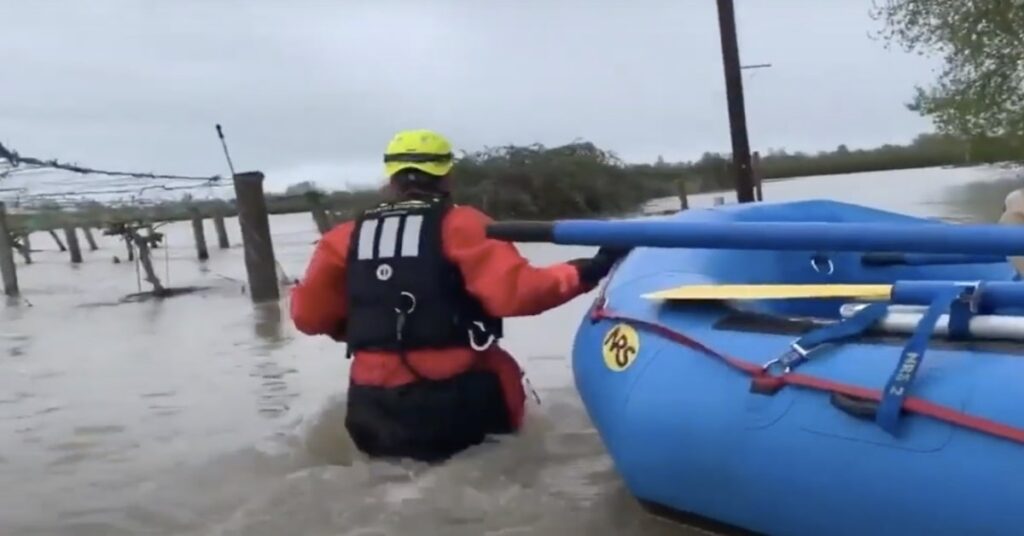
(417, 292)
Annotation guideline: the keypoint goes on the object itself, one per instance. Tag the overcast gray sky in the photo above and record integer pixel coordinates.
(314, 89)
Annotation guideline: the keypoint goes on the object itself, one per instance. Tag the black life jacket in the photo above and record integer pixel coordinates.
(403, 294)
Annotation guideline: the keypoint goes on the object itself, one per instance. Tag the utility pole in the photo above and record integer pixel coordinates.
(734, 95)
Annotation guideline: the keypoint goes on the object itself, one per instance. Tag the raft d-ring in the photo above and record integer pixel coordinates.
(409, 299)
(814, 264)
(472, 337)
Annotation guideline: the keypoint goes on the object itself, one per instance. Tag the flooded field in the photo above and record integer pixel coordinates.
(202, 415)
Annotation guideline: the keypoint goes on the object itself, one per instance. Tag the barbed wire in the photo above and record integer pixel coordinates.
(136, 191)
(36, 183)
(15, 163)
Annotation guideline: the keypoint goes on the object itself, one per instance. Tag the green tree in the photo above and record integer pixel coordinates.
(303, 187)
(980, 89)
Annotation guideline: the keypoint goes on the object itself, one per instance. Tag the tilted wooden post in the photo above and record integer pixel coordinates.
(89, 238)
(150, 232)
(197, 231)
(7, 269)
(323, 222)
(316, 208)
(222, 231)
(254, 222)
(145, 259)
(73, 247)
(57, 240)
(23, 246)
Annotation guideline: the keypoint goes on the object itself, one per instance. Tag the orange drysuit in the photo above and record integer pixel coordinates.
(494, 272)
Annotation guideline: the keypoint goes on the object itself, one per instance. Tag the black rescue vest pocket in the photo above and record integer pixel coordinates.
(403, 293)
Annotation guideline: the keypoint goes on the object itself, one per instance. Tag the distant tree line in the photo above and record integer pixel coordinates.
(580, 179)
(713, 171)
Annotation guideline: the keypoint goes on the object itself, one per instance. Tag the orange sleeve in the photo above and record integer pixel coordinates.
(318, 304)
(497, 275)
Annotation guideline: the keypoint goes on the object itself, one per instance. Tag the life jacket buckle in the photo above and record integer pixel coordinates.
(480, 347)
(409, 301)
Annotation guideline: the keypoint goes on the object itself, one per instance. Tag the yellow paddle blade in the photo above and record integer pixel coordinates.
(771, 292)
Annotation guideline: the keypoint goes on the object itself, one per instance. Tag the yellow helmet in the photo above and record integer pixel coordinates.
(424, 150)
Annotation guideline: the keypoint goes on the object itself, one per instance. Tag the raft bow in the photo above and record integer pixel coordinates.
(961, 302)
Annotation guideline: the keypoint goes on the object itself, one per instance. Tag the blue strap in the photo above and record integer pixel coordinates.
(855, 325)
(910, 360)
(959, 320)
(850, 327)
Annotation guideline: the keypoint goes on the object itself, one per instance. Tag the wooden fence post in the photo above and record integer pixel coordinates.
(323, 222)
(200, 236)
(22, 244)
(143, 243)
(254, 223)
(57, 240)
(89, 238)
(73, 247)
(222, 231)
(316, 208)
(7, 269)
(684, 197)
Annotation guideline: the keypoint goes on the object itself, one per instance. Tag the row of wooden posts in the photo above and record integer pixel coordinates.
(254, 224)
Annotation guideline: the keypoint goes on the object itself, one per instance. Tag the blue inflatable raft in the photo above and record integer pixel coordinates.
(807, 416)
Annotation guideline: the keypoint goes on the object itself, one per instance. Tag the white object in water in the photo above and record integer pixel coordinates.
(904, 319)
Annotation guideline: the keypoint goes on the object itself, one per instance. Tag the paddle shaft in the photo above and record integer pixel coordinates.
(922, 259)
(981, 239)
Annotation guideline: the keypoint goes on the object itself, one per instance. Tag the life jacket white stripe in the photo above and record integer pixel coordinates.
(367, 230)
(387, 244)
(411, 236)
(388, 237)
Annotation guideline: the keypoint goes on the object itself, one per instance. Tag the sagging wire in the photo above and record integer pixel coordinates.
(80, 196)
(16, 160)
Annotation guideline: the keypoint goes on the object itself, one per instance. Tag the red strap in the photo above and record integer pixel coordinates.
(912, 404)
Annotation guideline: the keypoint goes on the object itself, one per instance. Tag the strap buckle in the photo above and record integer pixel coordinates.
(480, 347)
(529, 385)
(794, 356)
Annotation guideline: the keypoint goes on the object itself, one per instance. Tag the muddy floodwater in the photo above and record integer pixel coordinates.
(202, 415)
